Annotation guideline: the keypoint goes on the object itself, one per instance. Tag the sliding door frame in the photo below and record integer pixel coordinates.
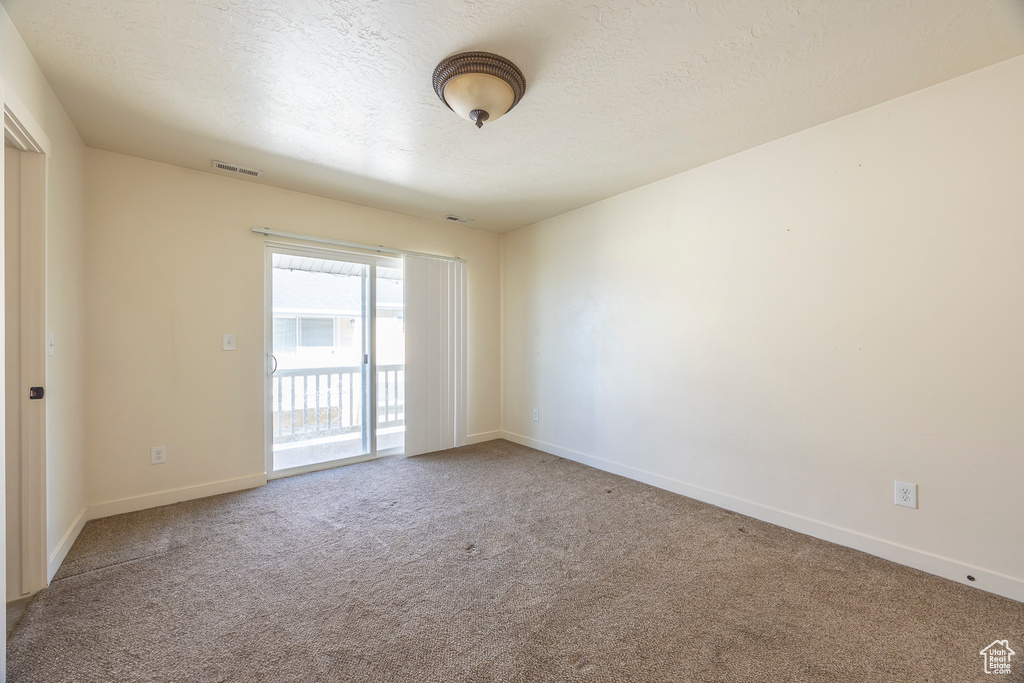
(369, 427)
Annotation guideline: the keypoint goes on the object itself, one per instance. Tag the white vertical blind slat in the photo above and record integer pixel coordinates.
(413, 359)
(462, 407)
(440, 290)
(449, 361)
(435, 330)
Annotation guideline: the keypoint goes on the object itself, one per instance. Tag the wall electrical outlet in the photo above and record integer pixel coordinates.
(157, 455)
(906, 494)
(536, 415)
(229, 342)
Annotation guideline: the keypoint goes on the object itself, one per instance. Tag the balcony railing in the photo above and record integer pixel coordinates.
(313, 403)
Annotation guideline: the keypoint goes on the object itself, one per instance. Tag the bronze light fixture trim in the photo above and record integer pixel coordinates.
(479, 86)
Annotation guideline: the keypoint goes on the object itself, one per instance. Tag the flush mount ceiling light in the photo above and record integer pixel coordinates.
(479, 86)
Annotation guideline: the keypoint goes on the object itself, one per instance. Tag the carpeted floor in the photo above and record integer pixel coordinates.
(492, 562)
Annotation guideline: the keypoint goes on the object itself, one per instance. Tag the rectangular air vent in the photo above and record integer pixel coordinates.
(232, 168)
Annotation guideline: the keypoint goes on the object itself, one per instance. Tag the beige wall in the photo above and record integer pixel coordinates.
(65, 303)
(789, 330)
(173, 265)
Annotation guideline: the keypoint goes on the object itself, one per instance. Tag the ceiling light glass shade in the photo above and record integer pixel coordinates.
(479, 86)
(479, 92)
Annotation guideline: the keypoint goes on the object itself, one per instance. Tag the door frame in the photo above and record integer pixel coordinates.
(23, 133)
(370, 339)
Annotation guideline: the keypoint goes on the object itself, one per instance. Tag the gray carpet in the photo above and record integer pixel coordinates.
(488, 563)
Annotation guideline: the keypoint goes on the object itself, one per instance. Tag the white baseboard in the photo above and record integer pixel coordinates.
(483, 436)
(152, 500)
(61, 551)
(986, 580)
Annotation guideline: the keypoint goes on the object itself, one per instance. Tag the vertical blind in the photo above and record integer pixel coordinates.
(435, 354)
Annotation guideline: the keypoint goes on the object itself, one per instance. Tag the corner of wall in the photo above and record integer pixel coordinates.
(66, 455)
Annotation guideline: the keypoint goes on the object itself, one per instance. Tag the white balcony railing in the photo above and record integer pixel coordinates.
(313, 403)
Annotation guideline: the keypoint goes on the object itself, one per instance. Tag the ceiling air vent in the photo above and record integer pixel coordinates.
(457, 219)
(252, 173)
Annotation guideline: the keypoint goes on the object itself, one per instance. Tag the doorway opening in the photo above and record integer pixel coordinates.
(335, 359)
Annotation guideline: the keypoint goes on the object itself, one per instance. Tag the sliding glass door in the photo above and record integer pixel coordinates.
(336, 359)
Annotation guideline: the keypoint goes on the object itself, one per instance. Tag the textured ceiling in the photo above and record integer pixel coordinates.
(333, 97)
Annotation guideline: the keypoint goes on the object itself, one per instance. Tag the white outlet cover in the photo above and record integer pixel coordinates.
(157, 455)
(906, 494)
(536, 415)
(229, 342)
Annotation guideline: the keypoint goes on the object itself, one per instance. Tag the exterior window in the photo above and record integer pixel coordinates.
(284, 335)
(316, 331)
